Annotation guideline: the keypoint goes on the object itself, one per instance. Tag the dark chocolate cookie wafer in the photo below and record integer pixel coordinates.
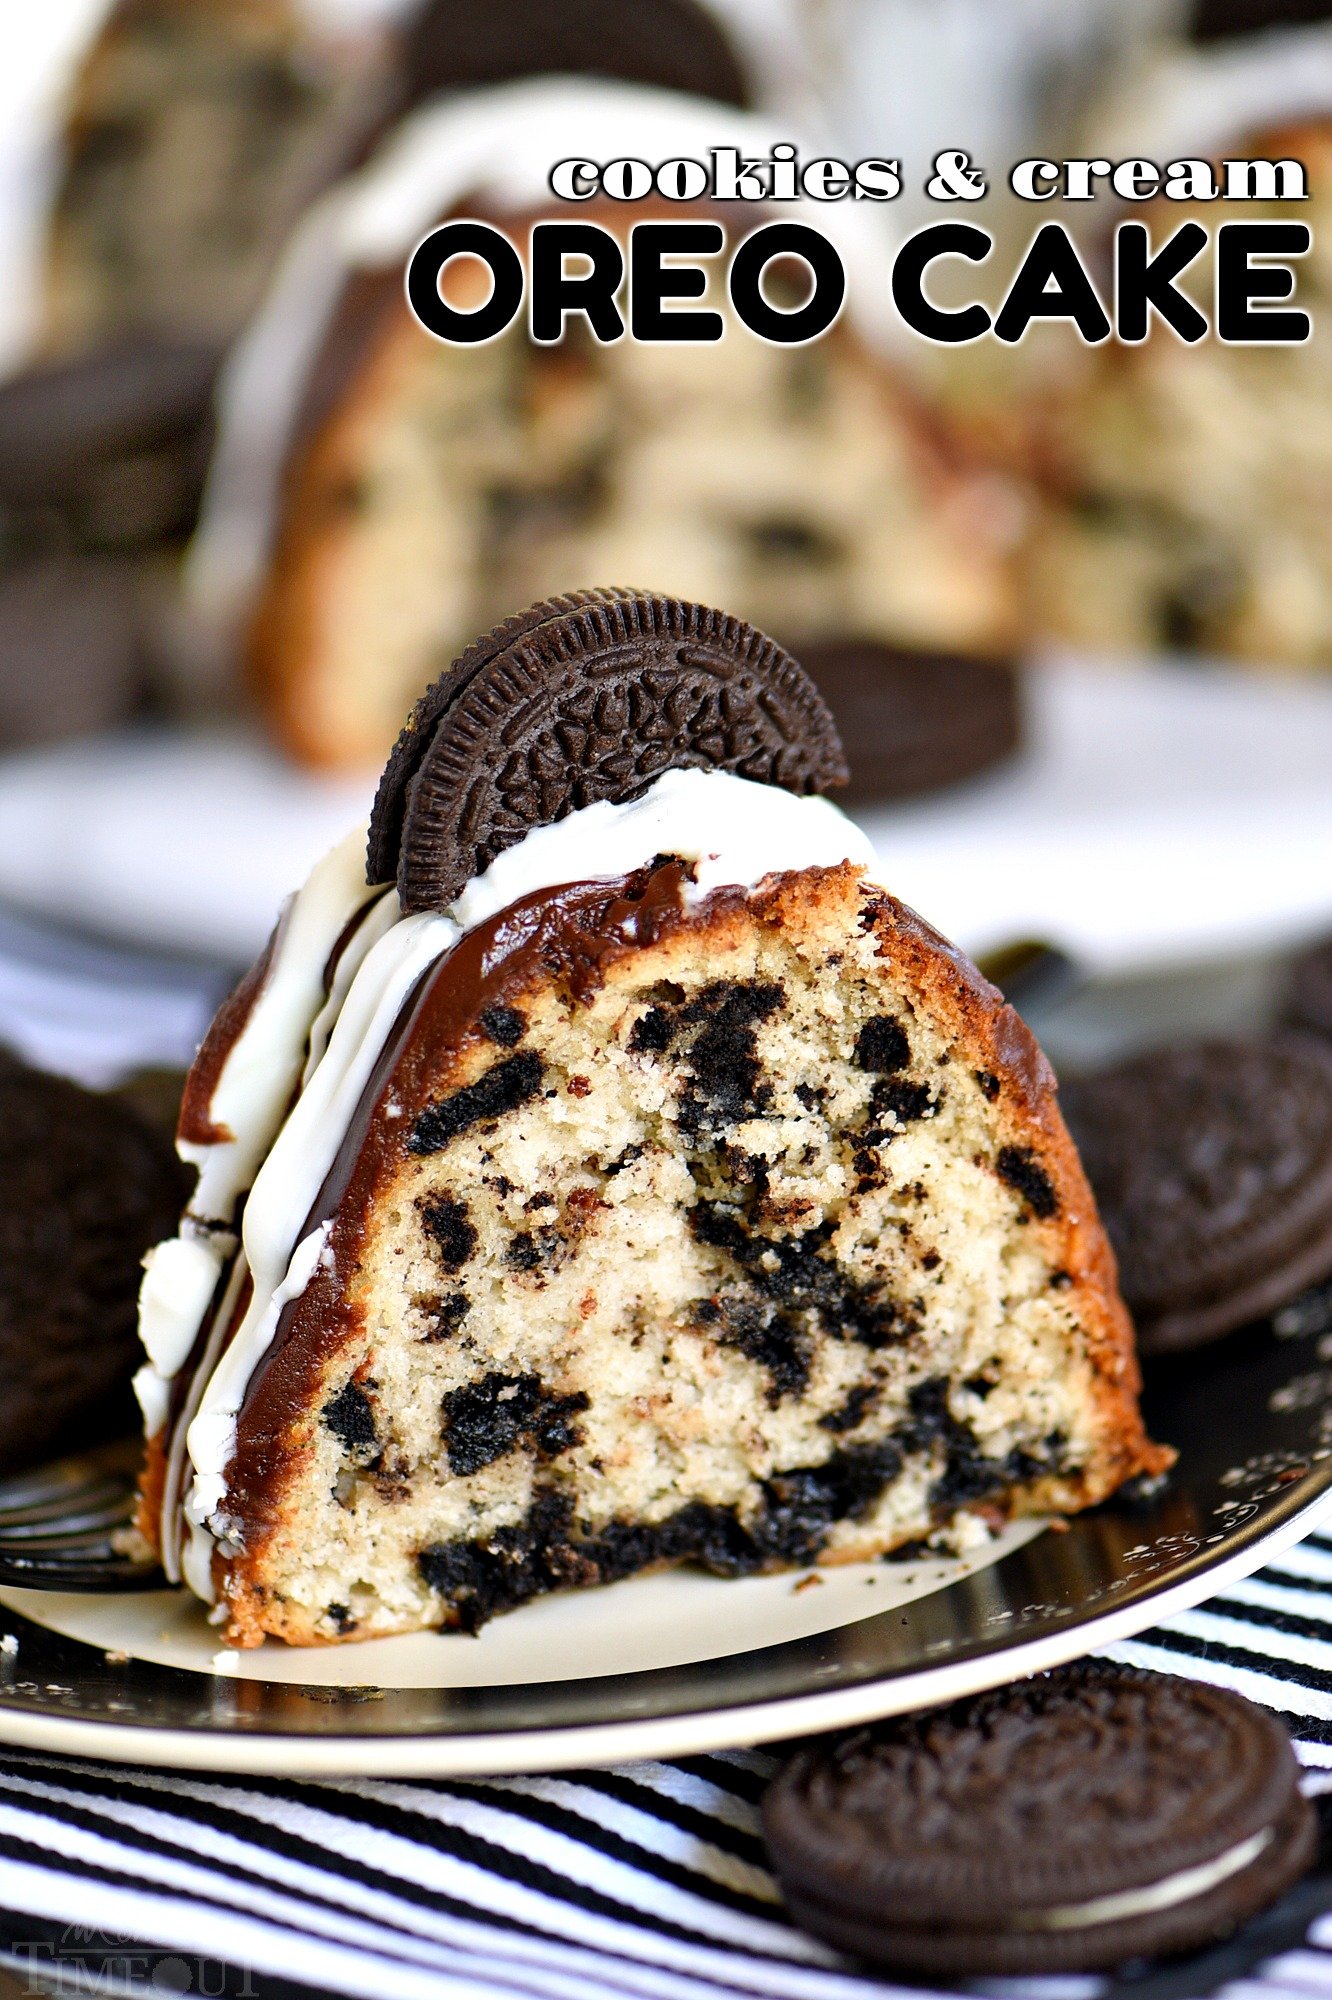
(1064, 1824)
(583, 698)
(915, 722)
(675, 44)
(1307, 1000)
(408, 753)
(85, 1188)
(1223, 20)
(1212, 1167)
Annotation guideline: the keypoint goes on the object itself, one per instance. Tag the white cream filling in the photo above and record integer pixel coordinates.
(1181, 1887)
(734, 831)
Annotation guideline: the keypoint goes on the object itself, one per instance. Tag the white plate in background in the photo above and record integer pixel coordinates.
(1159, 815)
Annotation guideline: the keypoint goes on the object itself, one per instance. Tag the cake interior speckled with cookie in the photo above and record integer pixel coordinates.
(613, 1174)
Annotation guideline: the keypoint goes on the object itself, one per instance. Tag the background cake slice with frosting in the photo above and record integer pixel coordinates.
(619, 1177)
(198, 130)
(378, 496)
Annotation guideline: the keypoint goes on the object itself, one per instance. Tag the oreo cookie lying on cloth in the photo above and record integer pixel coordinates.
(1059, 1825)
(580, 698)
(1212, 1168)
(915, 722)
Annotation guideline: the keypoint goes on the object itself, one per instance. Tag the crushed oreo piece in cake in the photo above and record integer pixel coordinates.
(486, 1419)
(351, 1418)
(500, 1090)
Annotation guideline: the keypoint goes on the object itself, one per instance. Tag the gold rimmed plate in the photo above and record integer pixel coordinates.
(682, 1663)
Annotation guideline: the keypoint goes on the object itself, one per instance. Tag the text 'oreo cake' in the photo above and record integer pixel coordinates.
(618, 1177)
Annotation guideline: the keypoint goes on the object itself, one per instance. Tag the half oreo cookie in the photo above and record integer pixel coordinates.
(1212, 1167)
(579, 699)
(1059, 1825)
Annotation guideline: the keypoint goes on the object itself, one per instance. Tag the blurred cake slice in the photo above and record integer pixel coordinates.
(1189, 488)
(197, 131)
(378, 496)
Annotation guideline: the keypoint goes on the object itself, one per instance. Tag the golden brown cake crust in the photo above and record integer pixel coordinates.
(1002, 1037)
(441, 1050)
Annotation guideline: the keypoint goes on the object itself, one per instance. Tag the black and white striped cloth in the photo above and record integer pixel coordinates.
(645, 1881)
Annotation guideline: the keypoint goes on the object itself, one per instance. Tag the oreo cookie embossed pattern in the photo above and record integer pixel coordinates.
(582, 698)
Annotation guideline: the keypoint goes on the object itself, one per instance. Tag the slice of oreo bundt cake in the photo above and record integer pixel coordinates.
(634, 1182)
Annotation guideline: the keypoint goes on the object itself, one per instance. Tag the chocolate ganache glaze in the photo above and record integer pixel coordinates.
(573, 933)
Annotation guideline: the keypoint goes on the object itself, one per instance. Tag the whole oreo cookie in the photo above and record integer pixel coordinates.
(915, 722)
(582, 698)
(1060, 1825)
(675, 44)
(1212, 1167)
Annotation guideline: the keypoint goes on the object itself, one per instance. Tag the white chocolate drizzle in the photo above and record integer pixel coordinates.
(734, 833)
